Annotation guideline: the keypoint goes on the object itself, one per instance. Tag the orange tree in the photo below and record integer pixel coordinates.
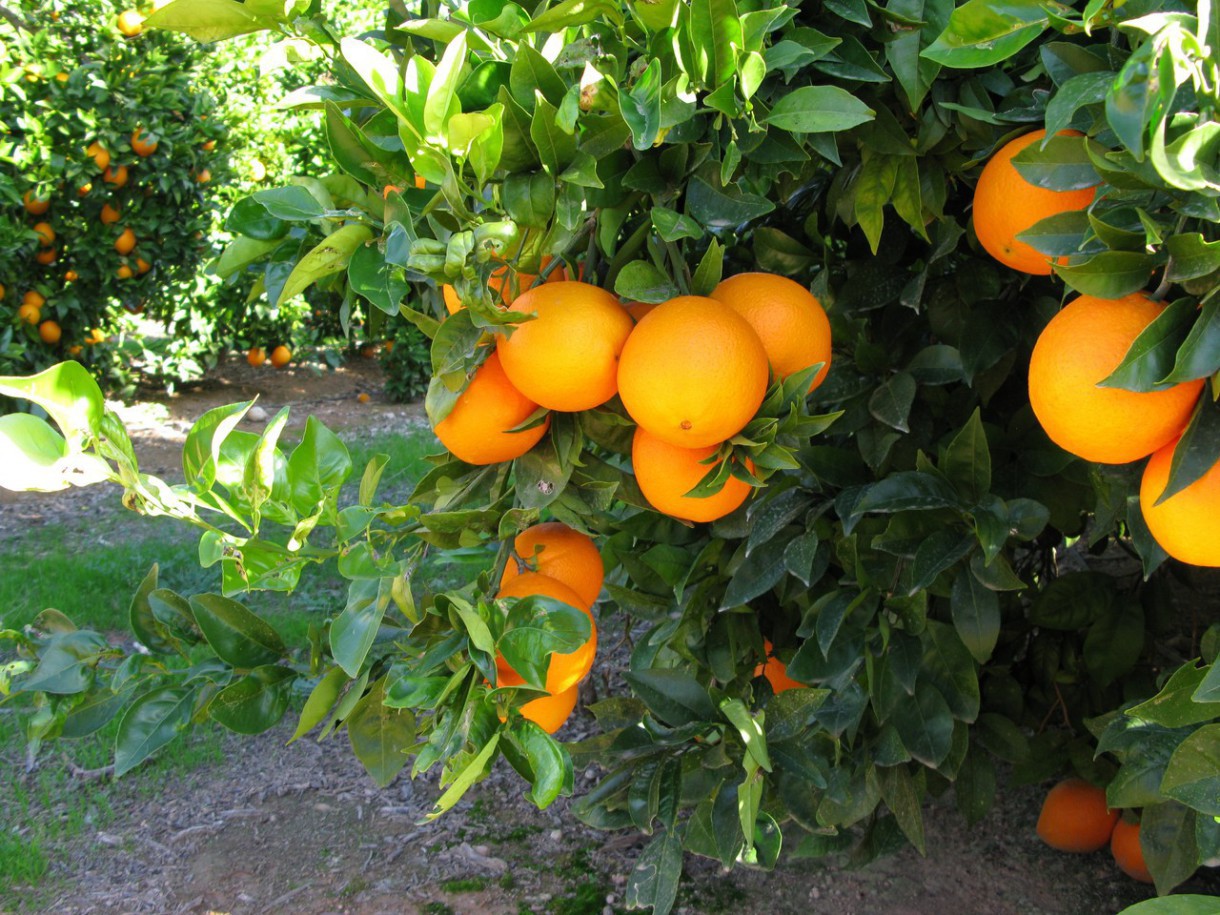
(884, 614)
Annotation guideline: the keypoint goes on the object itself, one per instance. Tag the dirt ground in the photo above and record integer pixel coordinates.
(301, 829)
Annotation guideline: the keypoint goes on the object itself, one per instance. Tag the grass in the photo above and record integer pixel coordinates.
(88, 567)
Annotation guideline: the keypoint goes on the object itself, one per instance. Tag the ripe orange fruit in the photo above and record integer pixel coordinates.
(95, 337)
(115, 176)
(2, 292)
(476, 430)
(204, 176)
(74, 349)
(62, 77)
(209, 146)
(637, 310)
(693, 372)
(126, 242)
(71, 276)
(140, 146)
(452, 303)
(1075, 817)
(550, 712)
(46, 256)
(666, 473)
(33, 297)
(46, 235)
(1127, 851)
(1080, 346)
(281, 356)
(84, 189)
(29, 313)
(787, 317)
(130, 23)
(99, 154)
(567, 357)
(1184, 524)
(124, 272)
(1005, 204)
(35, 206)
(362, 397)
(109, 215)
(420, 183)
(49, 332)
(256, 356)
(776, 672)
(142, 266)
(390, 189)
(559, 552)
(564, 670)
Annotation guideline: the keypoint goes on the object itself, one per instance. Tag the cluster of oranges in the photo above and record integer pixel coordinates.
(1082, 346)
(691, 372)
(1075, 818)
(280, 356)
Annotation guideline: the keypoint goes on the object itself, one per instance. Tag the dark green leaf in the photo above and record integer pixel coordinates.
(256, 702)
(1151, 356)
(672, 696)
(976, 615)
(818, 109)
(380, 736)
(1108, 275)
(150, 723)
(239, 637)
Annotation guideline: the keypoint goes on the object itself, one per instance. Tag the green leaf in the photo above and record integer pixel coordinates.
(673, 226)
(1199, 354)
(69, 395)
(380, 736)
(472, 772)
(152, 721)
(65, 664)
(1108, 275)
(377, 280)
(672, 696)
(210, 20)
(1191, 257)
(32, 455)
(641, 106)
(761, 571)
(201, 450)
(710, 270)
(1151, 356)
(749, 729)
(256, 702)
(355, 629)
(1114, 642)
(1193, 774)
(570, 13)
(535, 628)
(529, 198)
(907, 490)
(1167, 837)
(818, 109)
(322, 699)
(250, 218)
(531, 71)
(317, 468)
(967, 460)
(719, 207)
(983, 33)
(548, 765)
(329, 256)
(640, 281)
(556, 148)
(976, 615)
(654, 879)
(441, 103)
(1079, 91)
(292, 204)
(239, 637)
(1073, 601)
(925, 724)
(891, 402)
(1059, 163)
(1178, 904)
(1176, 705)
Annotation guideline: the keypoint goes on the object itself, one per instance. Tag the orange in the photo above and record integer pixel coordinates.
(2, 292)
(35, 206)
(1127, 851)
(46, 235)
(49, 332)
(209, 146)
(29, 313)
(74, 349)
(561, 553)
(97, 152)
(130, 23)
(71, 276)
(362, 397)
(46, 256)
(1005, 204)
(776, 671)
(95, 336)
(787, 317)
(124, 272)
(666, 473)
(420, 183)
(256, 356)
(205, 175)
(126, 242)
(567, 357)
(140, 146)
(1075, 817)
(1080, 346)
(693, 372)
(62, 77)
(84, 189)
(33, 298)
(109, 215)
(550, 712)
(452, 303)
(115, 176)
(1185, 523)
(281, 356)
(142, 266)
(564, 670)
(476, 429)
(388, 190)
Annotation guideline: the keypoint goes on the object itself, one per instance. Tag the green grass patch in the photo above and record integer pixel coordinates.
(469, 885)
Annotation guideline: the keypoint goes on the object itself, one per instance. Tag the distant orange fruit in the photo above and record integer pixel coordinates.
(559, 552)
(74, 349)
(124, 272)
(693, 372)
(99, 154)
(1005, 204)
(477, 428)
(142, 266)
(46, 235)
(46, 256)
(1185, 523)
(130, 23)
(281, 356)
(362, 397)
(420, 183)
(33, 297)
(1128, 852)
(787, 317)
(62, 77)
(204, 176)
(564, 670)
(567, 357)
(35, 206)
(126, 242)
(49, 332)
(95, 337)
(29, 313)
(550, 712)
(141, 146)
(84, 189)
(776, 671)
(116, 177)
(71, 276)
(1082, 345)
(209, 146)
(666, 473)
(256, 356)
(453, 304)
(2, 292)
(109, 215)
(1075, 817)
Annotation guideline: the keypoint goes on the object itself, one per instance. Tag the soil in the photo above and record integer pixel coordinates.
(300, 828)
